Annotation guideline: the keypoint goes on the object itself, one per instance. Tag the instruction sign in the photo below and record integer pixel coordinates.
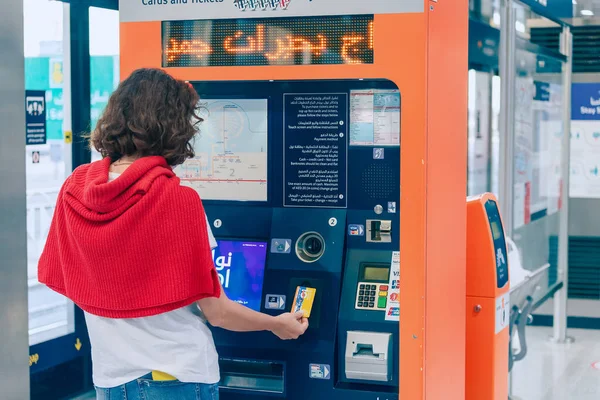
(315, 147)
(523, 151)
(392, 309)
(35, 117)
(375, 119)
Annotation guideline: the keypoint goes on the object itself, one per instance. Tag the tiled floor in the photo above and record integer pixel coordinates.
(557, 371)
(550, 371)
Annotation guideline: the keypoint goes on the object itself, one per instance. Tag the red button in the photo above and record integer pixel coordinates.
(383, 288)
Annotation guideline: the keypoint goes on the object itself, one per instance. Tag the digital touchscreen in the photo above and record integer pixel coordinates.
(230, 161)
(241, 268)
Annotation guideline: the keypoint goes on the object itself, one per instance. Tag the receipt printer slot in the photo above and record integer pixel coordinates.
(368, 356)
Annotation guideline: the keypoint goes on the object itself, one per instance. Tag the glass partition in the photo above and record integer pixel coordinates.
(104, 59)
(535, 171)
(537, 155)
(47, 154)
(479, 132)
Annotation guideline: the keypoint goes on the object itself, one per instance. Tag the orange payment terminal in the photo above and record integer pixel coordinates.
(488, 303)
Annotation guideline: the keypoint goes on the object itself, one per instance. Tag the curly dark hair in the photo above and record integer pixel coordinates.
(150, 114)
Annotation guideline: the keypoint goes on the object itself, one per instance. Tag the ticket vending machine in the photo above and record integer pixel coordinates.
(318, 152)
(488, 301)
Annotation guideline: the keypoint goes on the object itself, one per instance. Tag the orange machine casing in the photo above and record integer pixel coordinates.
(426, 55)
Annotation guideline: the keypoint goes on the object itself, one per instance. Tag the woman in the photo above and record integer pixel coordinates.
(132, 247)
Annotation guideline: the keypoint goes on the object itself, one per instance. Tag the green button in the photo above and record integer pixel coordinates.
(381, 302)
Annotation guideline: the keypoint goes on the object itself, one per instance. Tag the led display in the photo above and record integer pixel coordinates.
(268, 41)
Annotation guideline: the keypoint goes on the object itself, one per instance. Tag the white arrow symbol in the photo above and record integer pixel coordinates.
(287, 246)
(326, 372)
(281, 302)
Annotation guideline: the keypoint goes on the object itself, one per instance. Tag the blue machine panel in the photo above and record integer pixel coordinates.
(320, 244)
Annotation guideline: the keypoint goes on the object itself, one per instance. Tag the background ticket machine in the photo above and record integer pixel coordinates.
(488, 303)
(317, 115)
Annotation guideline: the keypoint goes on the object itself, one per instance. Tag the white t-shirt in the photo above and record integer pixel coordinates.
(178, 343)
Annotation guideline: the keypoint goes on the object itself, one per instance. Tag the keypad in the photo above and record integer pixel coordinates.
(371, 296)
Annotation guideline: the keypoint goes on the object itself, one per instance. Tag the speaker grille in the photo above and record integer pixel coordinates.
(380, 181)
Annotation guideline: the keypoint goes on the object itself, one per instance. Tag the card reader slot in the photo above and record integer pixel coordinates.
(252, 375)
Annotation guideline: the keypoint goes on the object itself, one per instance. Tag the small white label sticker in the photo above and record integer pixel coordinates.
(218, 223)
(275, 302)
(502, 312)
(281, 246)
(319, 371)
(332, 221)
(392, 207)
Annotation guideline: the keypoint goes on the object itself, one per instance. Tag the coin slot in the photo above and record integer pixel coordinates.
(310, 247)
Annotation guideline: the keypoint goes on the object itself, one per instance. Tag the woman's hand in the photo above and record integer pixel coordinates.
(290, 326)
(224, 313)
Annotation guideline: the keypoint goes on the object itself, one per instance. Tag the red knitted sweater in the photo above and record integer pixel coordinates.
(133, 247)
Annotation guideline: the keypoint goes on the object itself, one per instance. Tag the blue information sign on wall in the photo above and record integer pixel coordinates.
(585, 100)
(315, 146)
(35, 117)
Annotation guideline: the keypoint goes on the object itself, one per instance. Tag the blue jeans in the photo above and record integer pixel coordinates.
(145, 388)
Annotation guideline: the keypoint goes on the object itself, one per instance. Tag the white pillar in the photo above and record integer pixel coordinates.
(14, 335)
(560, 298)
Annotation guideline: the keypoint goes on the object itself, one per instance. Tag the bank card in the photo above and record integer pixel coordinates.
(303, 300)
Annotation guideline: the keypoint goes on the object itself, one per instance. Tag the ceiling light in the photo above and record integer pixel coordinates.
(496, 18)
(574, 1)
(588, 13)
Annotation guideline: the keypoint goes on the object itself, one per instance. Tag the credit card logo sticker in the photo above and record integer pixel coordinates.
(356, 230)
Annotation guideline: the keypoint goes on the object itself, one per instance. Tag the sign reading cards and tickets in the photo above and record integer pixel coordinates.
(169, 10)
(392, 310)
